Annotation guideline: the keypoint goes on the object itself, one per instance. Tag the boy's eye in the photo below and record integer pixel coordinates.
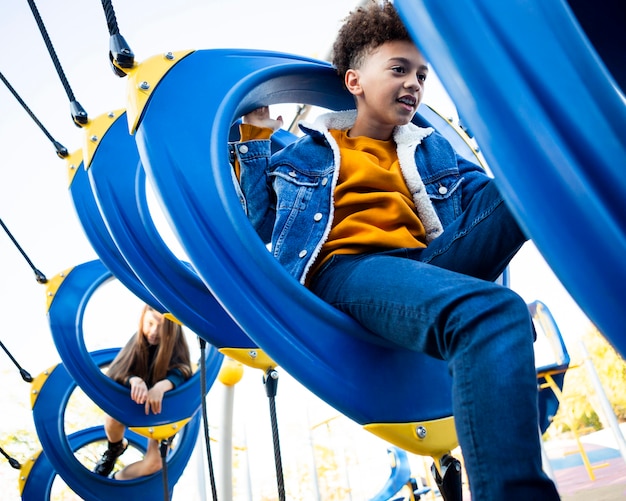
(398, 69)
(421, 77)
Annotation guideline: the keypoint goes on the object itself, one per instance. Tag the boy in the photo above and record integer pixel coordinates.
(383, 220)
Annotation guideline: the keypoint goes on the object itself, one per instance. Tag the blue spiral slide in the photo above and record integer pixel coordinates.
(550, 118)
(182, 140)
(546, 110)
(68, 295)
(182, 136)
(57, 457)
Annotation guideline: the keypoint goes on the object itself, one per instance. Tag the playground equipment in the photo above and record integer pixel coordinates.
(191, 173)
(550, 377)
(51, 392)
(68, 295)
(118, 186)
(549, 157)
(399, 478)
(525, 99)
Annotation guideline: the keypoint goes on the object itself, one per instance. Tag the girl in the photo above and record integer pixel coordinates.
(155, 360)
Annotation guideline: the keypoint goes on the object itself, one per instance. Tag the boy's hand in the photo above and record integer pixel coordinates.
(261, 118)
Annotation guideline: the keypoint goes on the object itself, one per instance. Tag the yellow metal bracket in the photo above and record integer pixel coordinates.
(252, 357)
(143, 79)
(53, 284)
(95, 130)
(73, 164)
(161, 432)
(38, 383)
(25, 471)
(426, 438)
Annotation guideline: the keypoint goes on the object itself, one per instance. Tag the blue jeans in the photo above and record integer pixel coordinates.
(442, 301)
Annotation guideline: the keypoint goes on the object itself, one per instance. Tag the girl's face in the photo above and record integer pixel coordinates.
(151, 328)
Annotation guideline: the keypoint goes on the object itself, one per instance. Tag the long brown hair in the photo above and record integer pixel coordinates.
(172, 352)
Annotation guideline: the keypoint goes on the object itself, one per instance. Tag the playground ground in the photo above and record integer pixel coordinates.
(572, 478)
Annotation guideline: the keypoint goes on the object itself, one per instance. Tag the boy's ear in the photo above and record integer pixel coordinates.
(352, 82)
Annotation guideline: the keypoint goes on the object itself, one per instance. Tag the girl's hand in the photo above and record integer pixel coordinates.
(138, 390)
(261, 118)
(154, 400)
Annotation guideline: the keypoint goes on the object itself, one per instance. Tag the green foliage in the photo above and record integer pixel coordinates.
(579, 394)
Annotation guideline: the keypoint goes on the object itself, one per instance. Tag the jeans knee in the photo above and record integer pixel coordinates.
(498, 315)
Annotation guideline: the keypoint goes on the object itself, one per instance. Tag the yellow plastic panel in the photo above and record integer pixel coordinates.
(38, 383)
(252, 357)
(162, 432)
(73, 163)
(25, 471)
(52, 286)
(143, 79)
(439, 436)
(95, 131)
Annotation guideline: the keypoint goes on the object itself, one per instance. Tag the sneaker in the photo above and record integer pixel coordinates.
(106, 463)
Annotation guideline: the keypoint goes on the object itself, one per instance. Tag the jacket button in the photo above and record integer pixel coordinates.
(318, 216)
(303, 253)
(324, 181)
(293, 174)
(443, 190)
(243, 149)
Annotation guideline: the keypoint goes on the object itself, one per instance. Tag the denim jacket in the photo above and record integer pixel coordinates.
(288, 196)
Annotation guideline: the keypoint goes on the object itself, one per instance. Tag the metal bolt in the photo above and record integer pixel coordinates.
(144, 85)
(94, 139)
(111, 114)
(421, 432)
(252, 353)
(274, 374)
(169, 55)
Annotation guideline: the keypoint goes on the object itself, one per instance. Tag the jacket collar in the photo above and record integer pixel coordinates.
(409, 134)
(407, 137)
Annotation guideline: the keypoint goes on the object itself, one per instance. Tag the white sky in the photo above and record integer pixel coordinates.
(34, 198)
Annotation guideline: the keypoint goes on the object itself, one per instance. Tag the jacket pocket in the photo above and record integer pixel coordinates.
(293, 189)
(446, 196)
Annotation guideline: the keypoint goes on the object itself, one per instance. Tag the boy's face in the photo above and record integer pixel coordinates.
(388, 86)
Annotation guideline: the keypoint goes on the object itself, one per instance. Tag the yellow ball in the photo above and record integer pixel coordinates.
(231, 372)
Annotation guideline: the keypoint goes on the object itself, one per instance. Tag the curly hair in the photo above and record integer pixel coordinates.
(365, 29)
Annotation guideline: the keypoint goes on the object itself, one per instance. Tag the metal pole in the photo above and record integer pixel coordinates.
(227, 444)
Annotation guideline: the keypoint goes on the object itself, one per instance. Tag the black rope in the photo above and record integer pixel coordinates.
(205, 419)
(12, 461)
(163, 448)
(79, 115)
(39, 276)
(120, 54)
(271, 382)
(23, 372)
(61, 150)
